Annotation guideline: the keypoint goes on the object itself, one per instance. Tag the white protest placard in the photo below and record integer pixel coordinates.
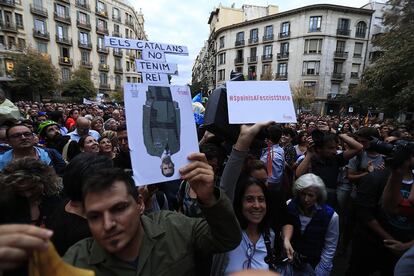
(154, 78)
(126, 43)
(153, 55)
(254, 101)
(161, 130)
(156, 67)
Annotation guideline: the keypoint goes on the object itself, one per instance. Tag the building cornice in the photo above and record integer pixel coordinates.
(279, 15)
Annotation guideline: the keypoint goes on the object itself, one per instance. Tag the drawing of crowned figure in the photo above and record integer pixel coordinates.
(161, 126)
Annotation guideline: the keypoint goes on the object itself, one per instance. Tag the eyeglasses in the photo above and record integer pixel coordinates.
(19, 135)
(251, 249)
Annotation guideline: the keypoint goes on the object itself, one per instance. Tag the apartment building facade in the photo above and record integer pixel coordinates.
(71, 33)
(321, 47)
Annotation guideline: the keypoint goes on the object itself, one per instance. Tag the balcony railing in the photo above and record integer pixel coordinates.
(103, 67)
(118, 69)
(87, 46)
(343, 32)
(267, 57)
(65, 61)
(284, 35)
(117, 52)
(9, 3)
(129, 23)
(281, 76)
(103, 31)
(102, 49)
(282, 56)
(38, 10)
(104, 86)
(252, 59)
(64, 18)
(354, 75)
(65, 1)
(86, 64)
(239, 43)
(103, 13)
(64, 40)
(83, 25)
(239, 60)
(254, 40)
(268, 37)
(340, 55)
(41, 34)
(83, 5)
(8, 27)
(338, 76)
(116, 18)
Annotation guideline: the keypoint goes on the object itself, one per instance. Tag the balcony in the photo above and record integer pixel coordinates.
(252, 59)
(86, 46)
(116, 34)
(83, 25)
(267, 58)
(117, 53)
(281, 76)
(118, 69)
(86, 64)
(38, 10)
(340, 55)
(103, 13)
(239, 43)
(85, 6)
(354, 75)
(41, 34)
(64, 18)
(338, 76)
(343, 32)
(283, 56)
(102, 30)
(129, 23)
(253, 40)
(238, 60)
(8, 3)
(65, 1)
(116, 18)
(104, 86)
(103, 67)
(65, 61)
(284, 35)
(102, 49)
(64, 40)
(268, 37)
(8, 27)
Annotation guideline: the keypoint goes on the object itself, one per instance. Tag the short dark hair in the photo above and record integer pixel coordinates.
(275, 132)
(121, 127)
(289, 131)
(255, 165)
(15, 125)
(79, 169)
(103, 179)
(367, 132)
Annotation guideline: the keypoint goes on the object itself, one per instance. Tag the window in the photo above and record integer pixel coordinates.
(266, 71)
(118, 80)
(311, 67)
(221, 75)
(19, 20)
(340, 46)
(101, 42)
(83, 18)
(338, 67)
(239, 55)
(254, 36)
(116, 28)
(85, 57)
(42, 47)
(102, 59)
(84, 38)
(116, 14)
(101, 24)
(315, 23)
(335, 88)
(267, 50)
(60, 10)
(253, 53)
(361, 29)
(40, 26)
(100, 7)
(62, 31)
(221, 42)
(103, 78)
(343, 24)
(355, 70)
(310, 85)
(313, 46)
(358, 49)
(268, 32)
(2, 40)
(252, 75)
(38, 3)
(128, 67)
(282, 69)
(118, 63)
(239, 69)
(240, 37)
(285, 29)
(11, 41)
(65, 74)
(284, 48)
(21, 43)
(222, 58)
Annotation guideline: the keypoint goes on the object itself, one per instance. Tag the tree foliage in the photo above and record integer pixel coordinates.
(34, 75)
(303, 97)
(389, 82)
(79, 86)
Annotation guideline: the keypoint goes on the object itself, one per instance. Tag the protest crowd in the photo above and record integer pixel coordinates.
(286, 198)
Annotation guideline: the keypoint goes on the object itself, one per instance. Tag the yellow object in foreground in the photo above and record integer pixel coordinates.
(49, 263)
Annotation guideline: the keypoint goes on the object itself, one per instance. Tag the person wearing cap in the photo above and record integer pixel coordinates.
(50, 132)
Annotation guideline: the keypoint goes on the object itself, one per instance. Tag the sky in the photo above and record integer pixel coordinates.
(184, 22)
